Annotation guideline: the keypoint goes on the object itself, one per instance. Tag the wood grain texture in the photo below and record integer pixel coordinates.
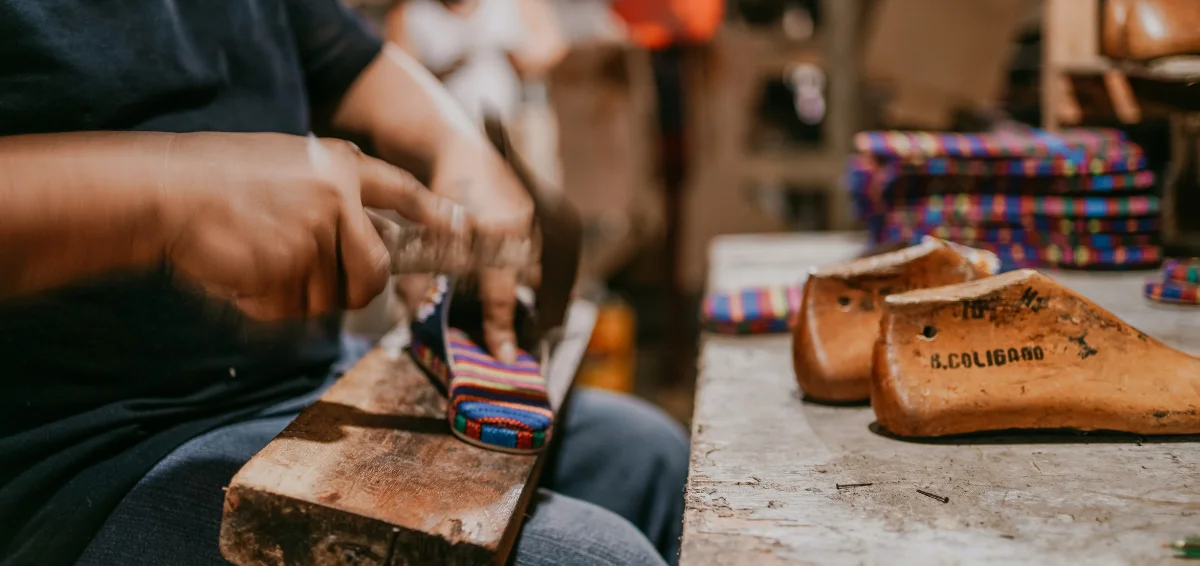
(765, 465)
(371, 475)
(1022, 351)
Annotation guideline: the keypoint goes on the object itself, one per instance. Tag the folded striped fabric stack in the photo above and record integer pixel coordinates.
(1081, 198)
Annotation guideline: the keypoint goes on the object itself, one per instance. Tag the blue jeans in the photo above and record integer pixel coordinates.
(611, 494)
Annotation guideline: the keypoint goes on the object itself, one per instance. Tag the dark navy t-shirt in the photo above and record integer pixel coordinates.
(99, 381)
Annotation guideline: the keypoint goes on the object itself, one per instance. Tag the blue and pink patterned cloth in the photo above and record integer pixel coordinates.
(1080, 198)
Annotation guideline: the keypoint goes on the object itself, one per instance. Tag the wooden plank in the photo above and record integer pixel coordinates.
(371, 475)
(765, 465)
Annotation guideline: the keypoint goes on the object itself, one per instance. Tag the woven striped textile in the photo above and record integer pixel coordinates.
(1001, 208)
(1183, 270)
(879, 227)
(1017, 256)
(1123, 158)
(1112, 160)
(1014, 235)
(1172, 292)
(903, 185)
(914, 184)
(875, 197)
(973, 210)
(1078, 198)
(913, 145)
(758, 310)
(497, 404)
(494, 405)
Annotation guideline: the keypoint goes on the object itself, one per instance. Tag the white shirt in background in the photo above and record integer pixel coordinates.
(482, 40)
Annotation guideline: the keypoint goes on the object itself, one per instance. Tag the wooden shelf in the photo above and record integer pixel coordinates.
(770, 50)
(725, 89)
(812, 169)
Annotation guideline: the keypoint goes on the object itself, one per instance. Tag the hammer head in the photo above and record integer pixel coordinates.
(561, 236)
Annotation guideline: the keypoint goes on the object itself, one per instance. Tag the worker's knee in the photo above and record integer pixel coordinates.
(563, 530)
(625, 428)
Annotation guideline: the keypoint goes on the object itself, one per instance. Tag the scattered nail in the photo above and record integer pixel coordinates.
(846, 485)
(1009, 537)
(932, 496)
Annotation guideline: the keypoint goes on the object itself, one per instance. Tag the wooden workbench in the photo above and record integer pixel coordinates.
(764, 465)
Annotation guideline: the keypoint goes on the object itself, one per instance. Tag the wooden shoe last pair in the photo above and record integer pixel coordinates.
(841, 307)
(940, 348)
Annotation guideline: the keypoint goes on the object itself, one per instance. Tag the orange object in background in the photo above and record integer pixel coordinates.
(610, 360)
(655, 24)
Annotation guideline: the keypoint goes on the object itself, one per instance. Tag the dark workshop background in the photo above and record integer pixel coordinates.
(749, 132)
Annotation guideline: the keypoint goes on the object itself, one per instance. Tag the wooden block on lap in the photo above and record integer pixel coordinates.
(371, 475)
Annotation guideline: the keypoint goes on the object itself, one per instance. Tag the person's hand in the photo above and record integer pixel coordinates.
(276, 223)
(471, 172)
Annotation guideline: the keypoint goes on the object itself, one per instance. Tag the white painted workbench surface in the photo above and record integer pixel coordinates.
(764, 463)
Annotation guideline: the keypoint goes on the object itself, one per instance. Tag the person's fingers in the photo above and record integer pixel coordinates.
(365, 260)
(324, 276)
(384, 185)
(498, 291)
(281, 288)
(389, 231)
(412, 289)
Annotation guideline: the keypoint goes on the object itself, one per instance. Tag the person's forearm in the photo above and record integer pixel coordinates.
(77, 205)
(393, 28)
(405, 112)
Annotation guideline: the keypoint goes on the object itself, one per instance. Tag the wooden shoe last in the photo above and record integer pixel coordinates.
(839, 314)
(1149, 29)
(1021, 351)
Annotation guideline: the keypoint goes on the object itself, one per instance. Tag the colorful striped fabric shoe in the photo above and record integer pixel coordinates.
(1183, 270)
(1172, 292)
(758, 310)
(493, 405)
(1180, 282)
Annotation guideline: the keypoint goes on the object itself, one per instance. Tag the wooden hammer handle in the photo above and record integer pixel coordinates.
(416, 249)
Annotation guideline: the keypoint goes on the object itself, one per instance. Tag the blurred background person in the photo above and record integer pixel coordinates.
(494, 57)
